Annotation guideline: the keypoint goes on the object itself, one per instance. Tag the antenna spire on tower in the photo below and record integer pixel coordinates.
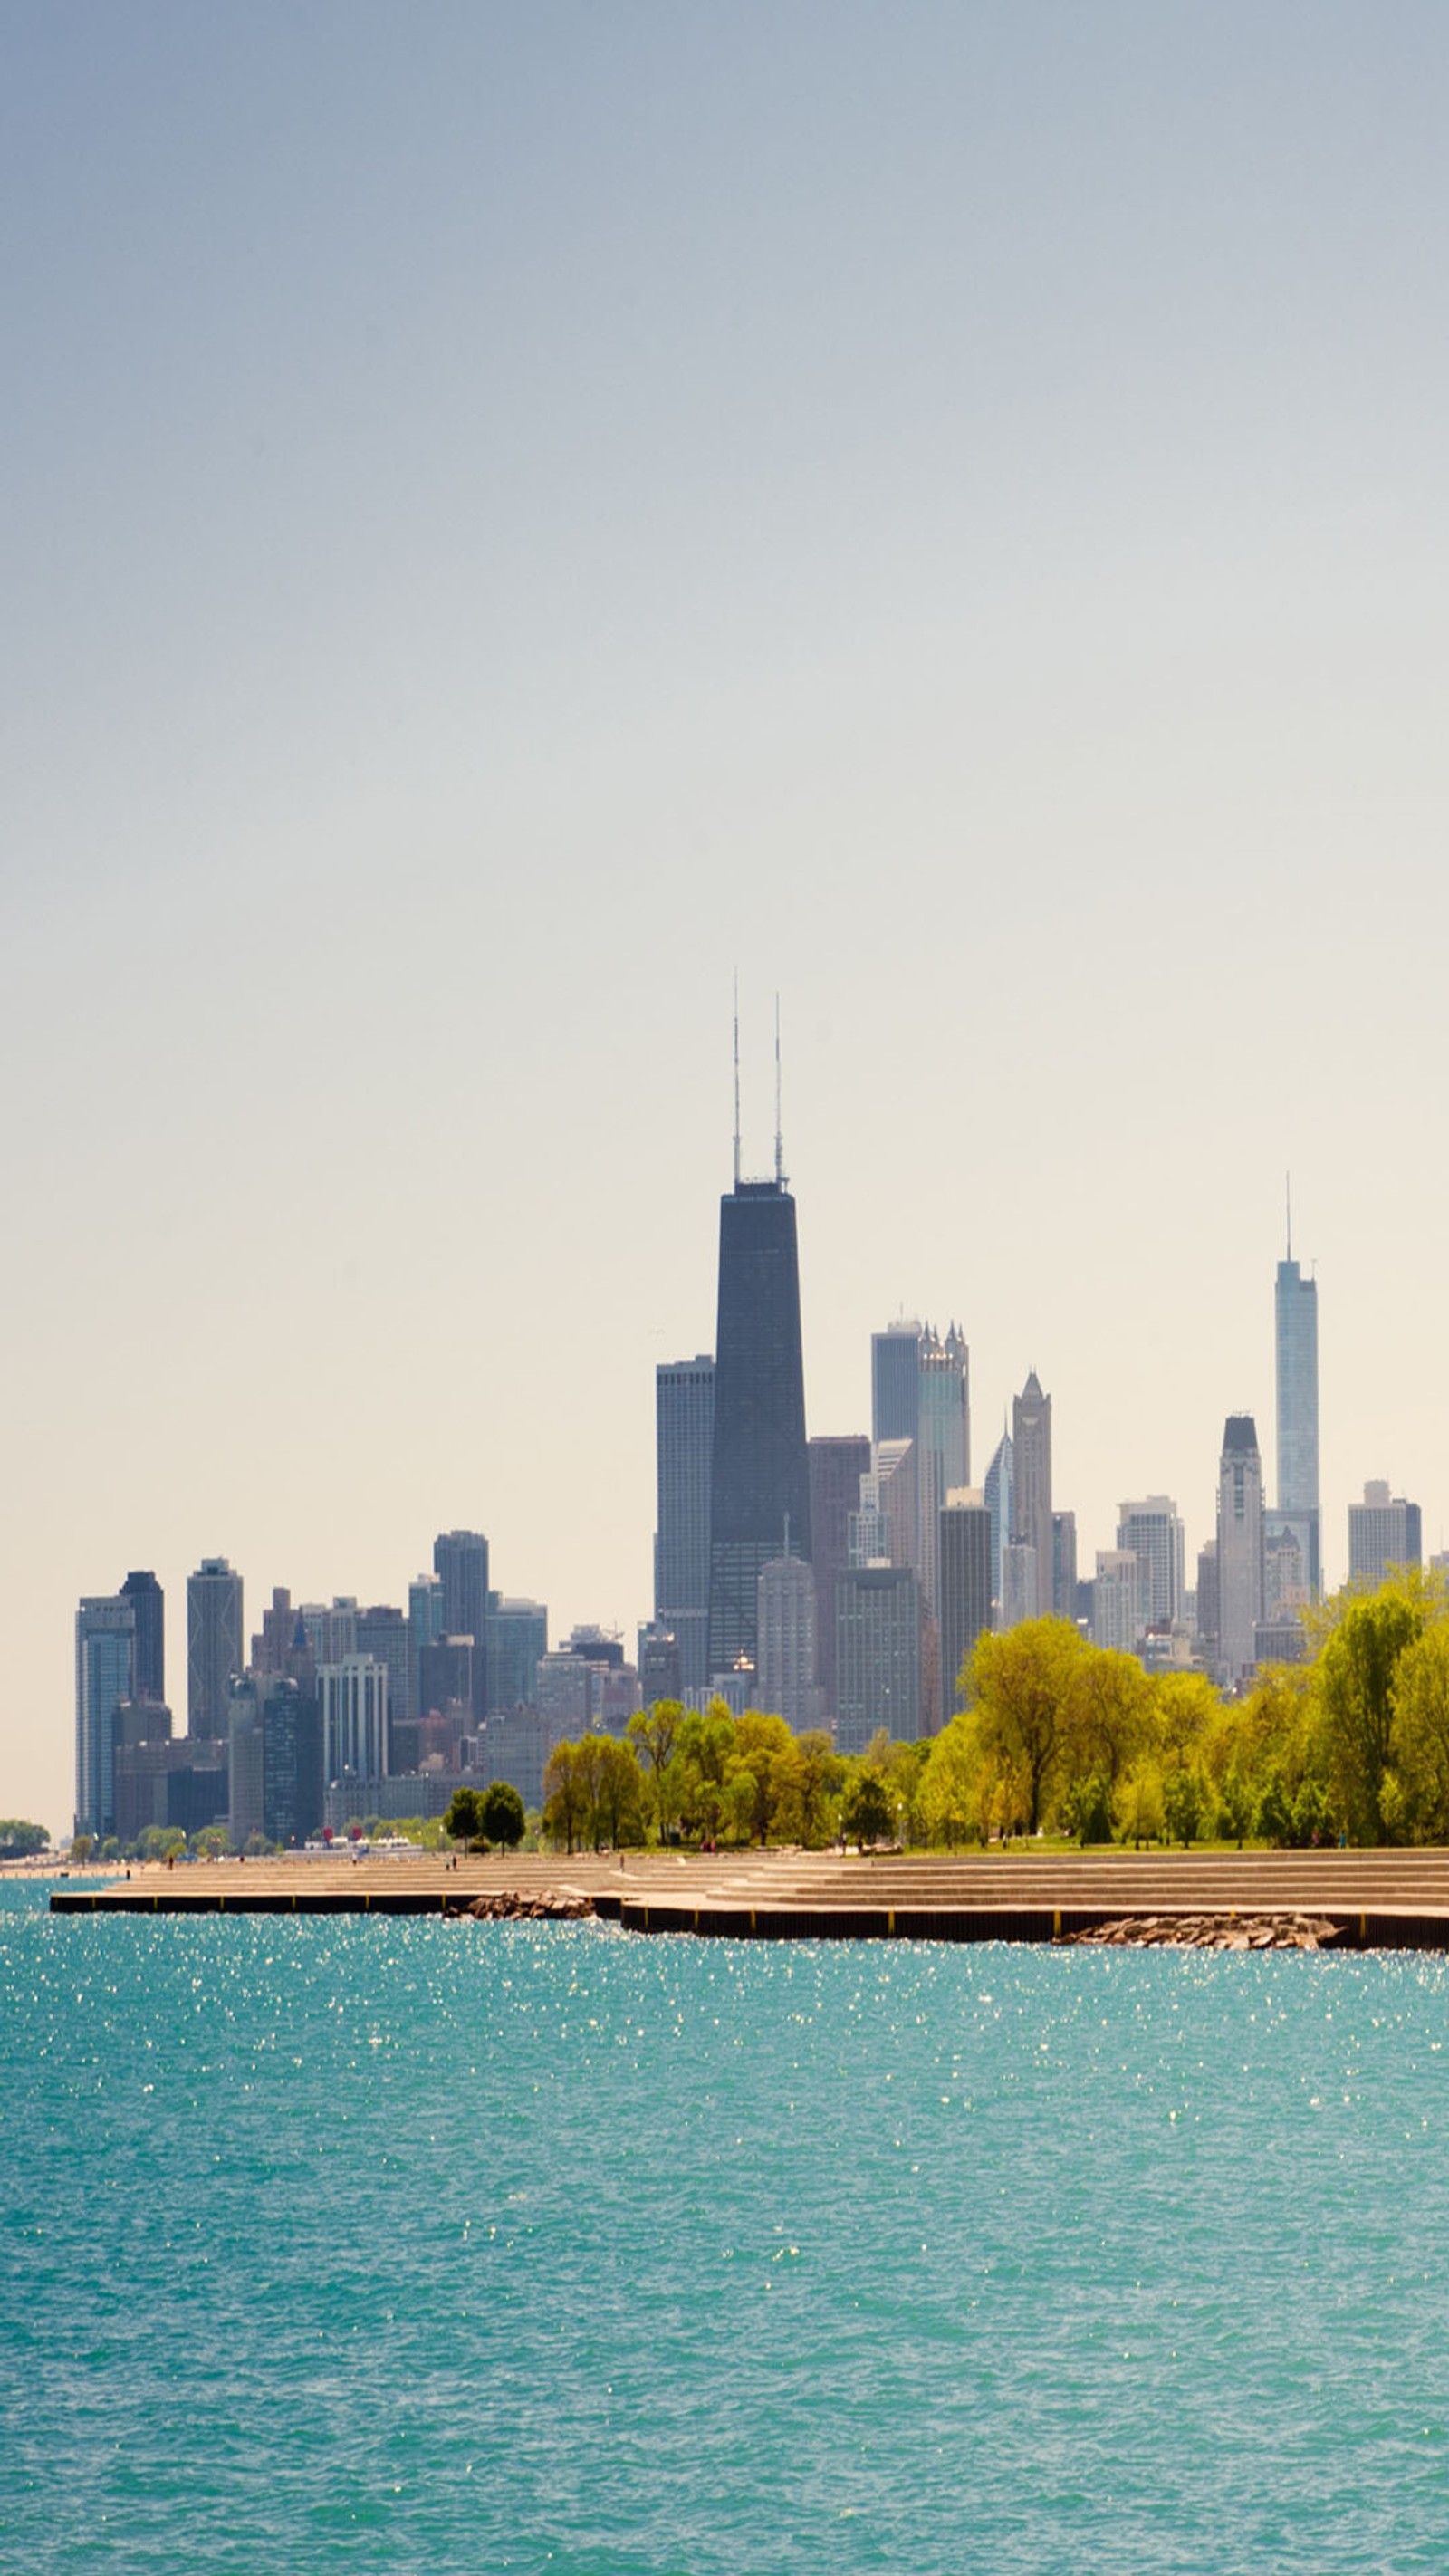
(737, 1078)
(779, 1129)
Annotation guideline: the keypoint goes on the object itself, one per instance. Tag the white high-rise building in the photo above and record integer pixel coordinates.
(1152, 1530)
(1383, 1530)
(786, 1668)
(1117, 1614)
(353, 1694)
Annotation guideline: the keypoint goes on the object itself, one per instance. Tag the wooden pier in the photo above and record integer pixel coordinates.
(1374, 1900)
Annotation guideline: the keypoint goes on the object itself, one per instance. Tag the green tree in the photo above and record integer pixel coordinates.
(1354, 1686)
(1138, 1805)
(653, 1732)
(1273, 1818)
(1184, 1707)
(868, 1814)
(567, 1798)
(1310, 1813)
(951, 1784)
(808, 1779)
(1421, 1732)
(80, 1849)
(213, 1842)
(615, 1786)
(1182, 1803)
(501, 1817)
(463, 1819)
(1235, 1802)
(1110, 1714)
(703, 1747)
(763, 1749)
(1022, 1682)
(1087, 1808)
(20, 1840)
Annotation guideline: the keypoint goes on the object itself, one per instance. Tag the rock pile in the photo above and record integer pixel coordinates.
(1211, 1932)
(548, 1905)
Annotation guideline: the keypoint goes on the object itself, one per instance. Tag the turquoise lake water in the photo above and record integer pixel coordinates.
(419, 2246)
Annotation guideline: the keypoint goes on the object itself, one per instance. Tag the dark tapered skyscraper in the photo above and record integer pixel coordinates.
(149, 1604)
(760, 1478)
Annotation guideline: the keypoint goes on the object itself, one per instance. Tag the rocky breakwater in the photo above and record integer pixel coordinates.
(545, 1905)
(1210, 1932)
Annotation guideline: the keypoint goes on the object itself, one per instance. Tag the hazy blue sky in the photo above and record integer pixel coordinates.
(510, 511)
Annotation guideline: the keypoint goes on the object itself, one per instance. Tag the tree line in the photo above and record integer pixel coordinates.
(1061, 1736)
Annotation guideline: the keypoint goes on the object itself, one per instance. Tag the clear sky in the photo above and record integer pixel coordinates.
(511, 511)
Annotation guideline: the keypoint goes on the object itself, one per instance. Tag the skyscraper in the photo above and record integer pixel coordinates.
(1064, 1565)
(1240, 1546)
(966, 1594)
(683, 1456)
(214, 1648)
(1152, 1530)
(460, 1560)
(517, 1637)
(1383, 1530)
(149, 1604)
(920, 1391)
(425, 1624)
(382, 1632)
(786, 1659)
(836, 1467)
(760, 1478)
(998, 1493)
(105, 1649)
(353, 1695)
(1118, 1617)
(1295, 1306)
(878, 1655)
(894, 1393)
(1031, 1503)
(943, 1443)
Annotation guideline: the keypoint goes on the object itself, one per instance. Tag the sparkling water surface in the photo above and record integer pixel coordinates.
(413, 2245)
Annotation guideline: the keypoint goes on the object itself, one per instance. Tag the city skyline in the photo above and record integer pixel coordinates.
(381, 1664)
(483, 566)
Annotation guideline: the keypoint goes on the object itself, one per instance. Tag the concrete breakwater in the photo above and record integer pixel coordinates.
(1371, 1900)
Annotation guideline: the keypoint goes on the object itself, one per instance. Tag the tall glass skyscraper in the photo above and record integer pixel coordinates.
(684, 1454)
(460, 1562)
(105, 1652)
(920, 1391)
(1296, 1317)
(760, 1477)
(999, 1501)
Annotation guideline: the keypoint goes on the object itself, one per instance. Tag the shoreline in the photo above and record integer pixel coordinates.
(1378, 1900)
